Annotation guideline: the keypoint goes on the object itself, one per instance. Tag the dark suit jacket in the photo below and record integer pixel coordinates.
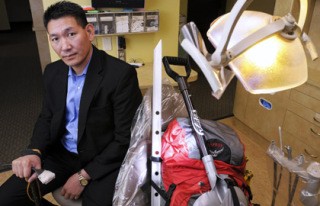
(108, 103)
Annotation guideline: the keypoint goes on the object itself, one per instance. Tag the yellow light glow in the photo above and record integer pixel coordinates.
(257, 53)
(274, 65)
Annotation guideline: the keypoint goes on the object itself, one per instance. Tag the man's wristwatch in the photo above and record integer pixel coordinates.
(83, 181)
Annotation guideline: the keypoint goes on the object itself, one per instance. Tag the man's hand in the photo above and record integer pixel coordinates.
(72, 189)
(21, 166)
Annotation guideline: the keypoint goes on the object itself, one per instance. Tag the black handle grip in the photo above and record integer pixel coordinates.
(179, 61)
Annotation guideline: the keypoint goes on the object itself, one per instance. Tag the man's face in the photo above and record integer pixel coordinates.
(70, 41)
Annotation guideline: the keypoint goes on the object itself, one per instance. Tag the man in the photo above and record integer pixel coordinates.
(83, 131)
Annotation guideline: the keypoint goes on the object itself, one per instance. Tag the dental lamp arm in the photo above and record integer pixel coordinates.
(310, 46)
(304, 5)
(204, 65)
(218, 57)
(264, 32)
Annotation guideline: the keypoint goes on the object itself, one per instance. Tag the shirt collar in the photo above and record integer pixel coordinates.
(71, 72)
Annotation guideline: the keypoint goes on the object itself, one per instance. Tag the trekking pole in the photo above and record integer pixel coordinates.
(34, 186)
(289, 151)
(276, 181)
(293, 189)
(5, 167)
(35, 192)
(295, 183)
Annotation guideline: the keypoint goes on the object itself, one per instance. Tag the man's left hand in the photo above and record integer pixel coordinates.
(72, 189)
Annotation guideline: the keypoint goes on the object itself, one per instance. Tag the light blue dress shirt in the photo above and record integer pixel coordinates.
(75, 85)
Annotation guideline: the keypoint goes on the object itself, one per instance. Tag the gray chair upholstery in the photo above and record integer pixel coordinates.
(65, 202)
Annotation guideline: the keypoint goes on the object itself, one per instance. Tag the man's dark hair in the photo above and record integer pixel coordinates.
(65, 8)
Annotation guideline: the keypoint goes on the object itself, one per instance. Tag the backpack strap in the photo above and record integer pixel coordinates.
(165, 195)
(169, 193)
(231, 184)
(248, 189)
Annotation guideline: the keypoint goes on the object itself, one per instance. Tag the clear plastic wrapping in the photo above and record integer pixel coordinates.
(296, 165)
(304, 169)
(132, 186)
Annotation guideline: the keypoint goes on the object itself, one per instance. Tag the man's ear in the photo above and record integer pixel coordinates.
(90, 30)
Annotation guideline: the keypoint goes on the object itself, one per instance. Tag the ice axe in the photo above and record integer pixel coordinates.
(219, 193)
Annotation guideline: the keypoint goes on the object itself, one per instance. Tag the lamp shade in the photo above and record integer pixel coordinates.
(273, 64)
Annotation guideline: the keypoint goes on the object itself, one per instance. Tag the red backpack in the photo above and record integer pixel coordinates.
(183, 173)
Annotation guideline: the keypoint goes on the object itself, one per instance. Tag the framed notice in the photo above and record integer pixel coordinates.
(152, 21)
(137, 22)
(122, 22)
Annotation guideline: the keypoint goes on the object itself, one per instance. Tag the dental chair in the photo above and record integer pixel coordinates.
(65, 202)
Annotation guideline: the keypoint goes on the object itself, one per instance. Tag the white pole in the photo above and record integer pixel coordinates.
(156, 123)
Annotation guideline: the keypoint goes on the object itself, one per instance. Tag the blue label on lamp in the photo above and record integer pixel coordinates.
(265, 103)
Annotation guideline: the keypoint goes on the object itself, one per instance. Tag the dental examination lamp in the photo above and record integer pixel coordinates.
(266, 53)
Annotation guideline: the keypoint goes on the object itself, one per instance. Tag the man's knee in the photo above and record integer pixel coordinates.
(14, 192)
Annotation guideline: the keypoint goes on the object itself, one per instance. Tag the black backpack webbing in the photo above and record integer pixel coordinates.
(231, 184)
(165, 195)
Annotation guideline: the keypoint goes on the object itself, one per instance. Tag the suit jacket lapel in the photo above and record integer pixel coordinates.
(60, 85)
(92, 82)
